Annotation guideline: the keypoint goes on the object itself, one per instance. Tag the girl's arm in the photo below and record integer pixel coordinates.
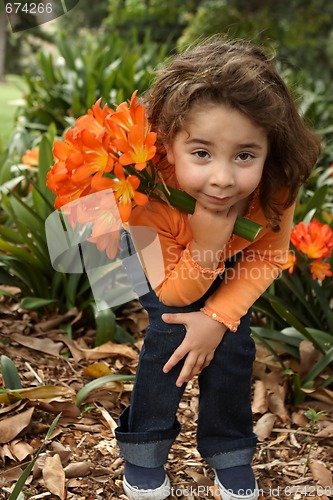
(192, 250)
(257, 267)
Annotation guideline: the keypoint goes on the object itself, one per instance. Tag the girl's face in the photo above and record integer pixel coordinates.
(219, 156)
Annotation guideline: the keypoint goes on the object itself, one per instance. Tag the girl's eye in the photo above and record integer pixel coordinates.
(201, 154)
(245, 156)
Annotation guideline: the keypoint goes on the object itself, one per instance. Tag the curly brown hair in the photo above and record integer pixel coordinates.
(240, 75)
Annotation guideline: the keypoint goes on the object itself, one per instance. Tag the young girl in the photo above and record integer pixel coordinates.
(235, 142)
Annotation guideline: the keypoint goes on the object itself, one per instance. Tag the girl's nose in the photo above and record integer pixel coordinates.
(222, 175)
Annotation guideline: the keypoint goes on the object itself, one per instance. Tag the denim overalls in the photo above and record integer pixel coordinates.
(148, 427)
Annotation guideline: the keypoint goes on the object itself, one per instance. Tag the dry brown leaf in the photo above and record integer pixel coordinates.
(200, 479)
(54, 476)
(50, 324)
(276, 403)
(110, 421)
(78, 469)
(322, 394)
(72, 345)
(43, 345)
(48, 392)
(10, 427)
(321, 474)
(20, 449)
(260, 398)
(9, 475)
(299, 418)
(264, 426)
(6, 452)
(109, 349)
(18, 405)
(308, 357)
(326, 431)
(58, 449)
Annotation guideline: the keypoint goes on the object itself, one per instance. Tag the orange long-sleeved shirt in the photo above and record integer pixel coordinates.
(185, 281)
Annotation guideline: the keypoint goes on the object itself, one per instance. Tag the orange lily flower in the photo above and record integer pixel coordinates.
(60, 182)
(133, 138)
(290, 262)
(314, 240)
(125, 190)
(31, 157)
(94, 121)
(125, 116)
(101, 209)
(320, 270)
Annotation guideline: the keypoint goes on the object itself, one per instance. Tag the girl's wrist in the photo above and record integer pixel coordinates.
(206, 258)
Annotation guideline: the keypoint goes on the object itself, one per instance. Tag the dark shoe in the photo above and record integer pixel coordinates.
(142, 483)
(237, 483)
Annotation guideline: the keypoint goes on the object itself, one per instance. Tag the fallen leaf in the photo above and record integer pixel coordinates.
(326, 431)
(110, 421)
(308, 356)
(321, 474)
(20, 449)
(10, 427)
(322, 394)
(48, 392)
(264, 426)
(260, 398)
(78, 469)
(72, 345)
(97, 370)
(12, 474)
(50, 324)
(199, 478)
(109, 349)
(54, 476)
(43, 345)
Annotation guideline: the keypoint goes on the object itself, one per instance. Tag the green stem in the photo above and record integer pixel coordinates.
(245, 228)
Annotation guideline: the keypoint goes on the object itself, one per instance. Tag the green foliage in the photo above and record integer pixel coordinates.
(282, 25)
(298, 307)
(163, 20)
(67, 84)
(9, 373)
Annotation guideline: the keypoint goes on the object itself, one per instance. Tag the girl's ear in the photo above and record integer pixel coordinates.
(170, 155)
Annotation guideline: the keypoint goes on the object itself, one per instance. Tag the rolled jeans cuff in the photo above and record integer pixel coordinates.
(233, 458)
(146, 449)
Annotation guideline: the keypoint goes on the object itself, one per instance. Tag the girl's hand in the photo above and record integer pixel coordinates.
(210, 231)
(203, 335)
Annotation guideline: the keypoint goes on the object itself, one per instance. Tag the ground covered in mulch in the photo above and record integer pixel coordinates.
(294, 458)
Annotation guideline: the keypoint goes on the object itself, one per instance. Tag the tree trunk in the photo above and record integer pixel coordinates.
(3, 33)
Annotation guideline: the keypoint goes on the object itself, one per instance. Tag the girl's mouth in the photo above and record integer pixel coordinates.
(218, 200)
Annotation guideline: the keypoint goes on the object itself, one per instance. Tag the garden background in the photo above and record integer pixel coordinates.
(60, 353)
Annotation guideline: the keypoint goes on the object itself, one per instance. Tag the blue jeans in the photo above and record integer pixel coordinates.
(149, 426)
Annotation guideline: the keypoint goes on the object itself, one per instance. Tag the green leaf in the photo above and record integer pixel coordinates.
(317, 200)
(319, 367)
(97, 383)
(293, 321)
(105, 326)
(34, 303)
(122, 336)
(11, 235)
(9, 373)
(45, 162)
